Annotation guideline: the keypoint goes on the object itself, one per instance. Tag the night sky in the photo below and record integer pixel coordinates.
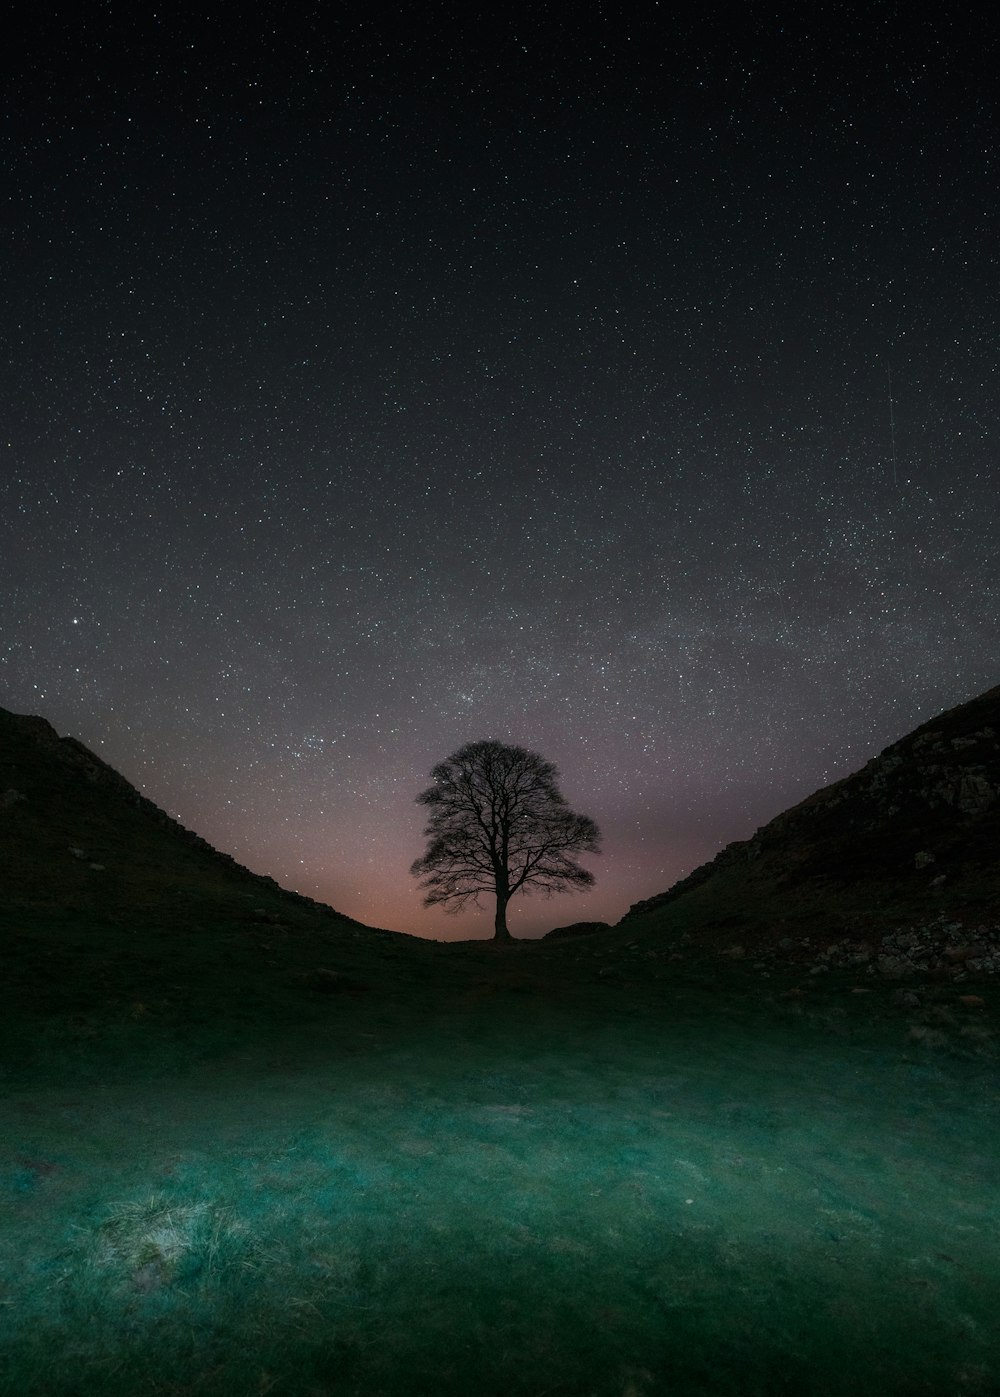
(623, 388)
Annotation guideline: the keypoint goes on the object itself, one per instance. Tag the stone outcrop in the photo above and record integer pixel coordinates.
(940, 949)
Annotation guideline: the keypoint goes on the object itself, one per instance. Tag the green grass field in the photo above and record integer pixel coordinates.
(463, 1170)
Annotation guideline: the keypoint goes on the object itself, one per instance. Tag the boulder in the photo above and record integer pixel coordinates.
(576, 929)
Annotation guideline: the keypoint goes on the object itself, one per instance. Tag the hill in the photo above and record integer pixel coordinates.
(904, 853)
(76, 836)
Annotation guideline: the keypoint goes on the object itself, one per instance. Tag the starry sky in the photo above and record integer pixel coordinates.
(620, 382)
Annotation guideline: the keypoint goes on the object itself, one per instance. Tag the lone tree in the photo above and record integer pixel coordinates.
(499, 824)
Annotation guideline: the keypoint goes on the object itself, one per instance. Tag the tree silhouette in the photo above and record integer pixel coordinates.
(499, 824)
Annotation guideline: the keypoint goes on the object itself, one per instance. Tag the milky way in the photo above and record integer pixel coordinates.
(623, 390)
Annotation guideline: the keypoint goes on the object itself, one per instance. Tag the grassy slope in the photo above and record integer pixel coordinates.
(843, 861)
(490, 1170)
(74, 834)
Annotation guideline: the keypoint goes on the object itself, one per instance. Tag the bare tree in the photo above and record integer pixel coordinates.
(499, 824)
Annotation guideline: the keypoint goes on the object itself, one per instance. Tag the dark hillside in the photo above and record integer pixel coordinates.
(912, 840)
(75, 835)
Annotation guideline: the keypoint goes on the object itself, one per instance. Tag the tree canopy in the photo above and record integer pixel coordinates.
(499, 825)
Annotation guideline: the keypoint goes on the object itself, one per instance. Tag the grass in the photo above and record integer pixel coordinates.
(460, 1170)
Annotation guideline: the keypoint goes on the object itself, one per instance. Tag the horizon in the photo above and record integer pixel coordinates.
(476, 925)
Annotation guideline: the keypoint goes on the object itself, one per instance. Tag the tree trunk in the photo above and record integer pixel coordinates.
(500, 932)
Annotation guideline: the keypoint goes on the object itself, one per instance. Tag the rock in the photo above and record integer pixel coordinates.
(577, 929)
(923, 858)
(893, 966)
(907, 999)
(974, 794)
(930, 1037)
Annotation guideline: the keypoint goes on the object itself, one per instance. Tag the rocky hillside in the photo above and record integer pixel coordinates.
(75, 835)
(902, 857)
